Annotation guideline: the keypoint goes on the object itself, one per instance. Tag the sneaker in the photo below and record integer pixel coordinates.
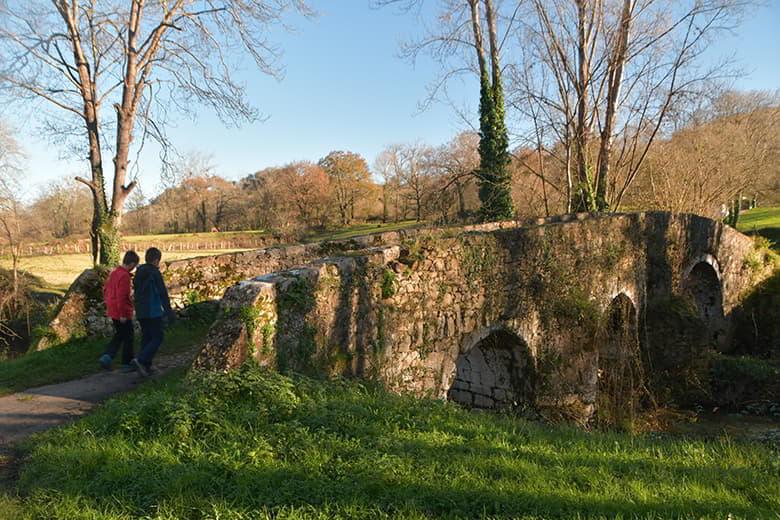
(105, 361)
(127, 368)
(140, 368)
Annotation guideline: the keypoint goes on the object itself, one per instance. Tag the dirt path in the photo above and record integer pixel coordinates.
(39, 409)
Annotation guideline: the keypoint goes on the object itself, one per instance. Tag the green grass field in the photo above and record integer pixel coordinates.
(58, 271)
(251, 444)
(762, 221)
(360, 229)
(78, 357)
(165, 238)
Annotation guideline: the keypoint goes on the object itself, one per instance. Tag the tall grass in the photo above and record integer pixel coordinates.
(253, 444)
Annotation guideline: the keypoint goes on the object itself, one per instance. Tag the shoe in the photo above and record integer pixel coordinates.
(140, 368)
(105, 361)
(127, 368)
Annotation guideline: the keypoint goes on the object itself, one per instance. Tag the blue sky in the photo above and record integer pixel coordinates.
(346, 88)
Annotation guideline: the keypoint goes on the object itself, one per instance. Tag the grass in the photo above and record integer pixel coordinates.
(253, 444)
(360, 229)
(762, 221)
(77, 358)
(164, 238)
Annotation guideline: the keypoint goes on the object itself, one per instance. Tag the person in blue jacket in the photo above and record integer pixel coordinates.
(151, 305)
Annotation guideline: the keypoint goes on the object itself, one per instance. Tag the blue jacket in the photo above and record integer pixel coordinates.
(149, 293)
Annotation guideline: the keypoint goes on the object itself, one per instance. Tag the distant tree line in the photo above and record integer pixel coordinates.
(725, 148)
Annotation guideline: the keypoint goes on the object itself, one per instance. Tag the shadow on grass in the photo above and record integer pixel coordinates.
(142, 483)
(302, 448)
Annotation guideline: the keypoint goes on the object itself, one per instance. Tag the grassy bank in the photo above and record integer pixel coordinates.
(762, 221)
(357, 230)
(251, 444)
(78, 358)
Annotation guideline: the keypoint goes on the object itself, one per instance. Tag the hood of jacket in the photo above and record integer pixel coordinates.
(143, 273)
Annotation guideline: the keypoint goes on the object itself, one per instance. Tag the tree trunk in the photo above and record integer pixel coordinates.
(478, 44)
(583, 192)
(108, 235)
(494, 50)
(614, 83)
(461, 201)
(384, 203)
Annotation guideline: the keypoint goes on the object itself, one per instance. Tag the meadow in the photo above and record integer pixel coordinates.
(58, 271)
(762, 221)
(253, 444)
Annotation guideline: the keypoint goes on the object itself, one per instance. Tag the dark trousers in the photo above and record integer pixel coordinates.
(152, 329)
(123, 335)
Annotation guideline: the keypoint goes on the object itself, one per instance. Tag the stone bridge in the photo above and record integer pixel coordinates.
(549, 316)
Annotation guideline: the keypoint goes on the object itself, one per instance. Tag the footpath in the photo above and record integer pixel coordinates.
(37, 409)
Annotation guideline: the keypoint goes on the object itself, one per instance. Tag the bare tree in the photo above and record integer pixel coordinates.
(729, 148)
(148, 60)
(605, 77)
(457, 163)
(388, 166)
(467, 34)
(11, 207)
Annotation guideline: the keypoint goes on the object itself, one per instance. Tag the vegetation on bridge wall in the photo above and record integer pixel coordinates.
(403, 314)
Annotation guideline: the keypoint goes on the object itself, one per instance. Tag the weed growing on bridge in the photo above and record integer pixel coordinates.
(388, 283)
(252, 444)
(761, 258)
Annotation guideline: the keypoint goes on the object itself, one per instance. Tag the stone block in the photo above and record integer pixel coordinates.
(481, 401)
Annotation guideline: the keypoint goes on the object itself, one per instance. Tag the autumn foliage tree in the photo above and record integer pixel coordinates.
(349, 179)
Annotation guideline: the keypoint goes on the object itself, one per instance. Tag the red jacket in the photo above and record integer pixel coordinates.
(117, 294)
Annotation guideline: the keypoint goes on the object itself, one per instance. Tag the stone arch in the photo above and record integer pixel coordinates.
(493, 371)
(620, 374)
(702, 283)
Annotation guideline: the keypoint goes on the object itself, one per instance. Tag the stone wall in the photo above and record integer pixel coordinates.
(533, 300)
(81, 312)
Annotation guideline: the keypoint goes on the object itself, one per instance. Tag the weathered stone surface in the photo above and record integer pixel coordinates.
(495, 317)
(81, 313)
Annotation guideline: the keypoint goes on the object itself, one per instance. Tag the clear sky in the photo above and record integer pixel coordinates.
(346, 88)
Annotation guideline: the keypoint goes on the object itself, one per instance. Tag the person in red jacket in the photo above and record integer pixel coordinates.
(118, 295)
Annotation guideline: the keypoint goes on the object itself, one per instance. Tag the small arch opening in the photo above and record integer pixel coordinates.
(620, 375)
(703, 286)
(494, 374)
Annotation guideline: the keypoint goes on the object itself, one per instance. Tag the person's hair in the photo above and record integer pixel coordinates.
(152, 255)
(131, 257)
